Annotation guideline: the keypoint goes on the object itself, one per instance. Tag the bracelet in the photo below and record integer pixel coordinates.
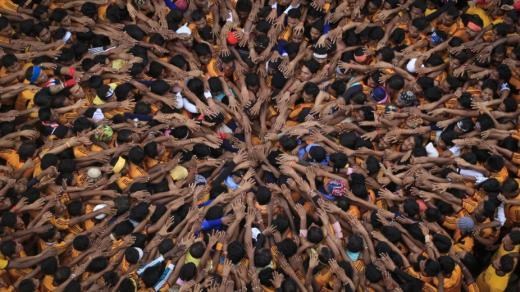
(72, 70)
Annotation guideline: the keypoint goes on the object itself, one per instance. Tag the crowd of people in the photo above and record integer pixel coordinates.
(259, 145)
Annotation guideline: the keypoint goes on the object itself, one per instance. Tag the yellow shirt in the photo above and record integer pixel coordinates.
(452, 283)
(47, 284)
(11, 157)
(8, 5)
(489, 281)
(25, 100)
(3, 264)
(480, 13)
(502, 175)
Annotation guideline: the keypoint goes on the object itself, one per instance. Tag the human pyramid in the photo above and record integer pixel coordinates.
(259, 145)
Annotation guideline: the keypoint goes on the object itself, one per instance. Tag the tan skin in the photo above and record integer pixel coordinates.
(263, 124)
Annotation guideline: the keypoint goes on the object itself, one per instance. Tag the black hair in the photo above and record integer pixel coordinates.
(411, 208)
(420, 23)
(465, 100)
(131, 255)
(156, 69)
(317, 153)
(180, 132)
(376, 33)
(432, 268)
(214, 212)
(97, 264)
(159, 87)
(151, 275)
(157, 39)
(89, 9)
(266, 276)
(485, 122)
(312, 65)
(165, 245)
(81, 243)
(372, 273)
(188, 272)
(311, 89)
(278, 80)
(391, 233)
(201, 150)
(315, 234)
(58, 14)
(26, 150)
(339, 160)
(196, 86)
(495, 163)
(48, 160)
(359, 190)
(139, 212)
(197, 249)
(491, 185)
(114, 13)
(49, 266)
(396, 82)
(288, 143)
(447, 136)
(244, 5)
(339, 87)
(111, 278)
(81, 124)
(355, 243)
(447, 264)
(262, 257)
(343, 203)
(67, 165)
(75, 208)
(136, 155)
(9, 60)
(252, 80)
(433, 94)
(397, 35)
(442, 243)
(127, 285)
(61, 275)
(294, 13)
(510, 104)
(202, 49)
(509, 186)
(236, 251)
(281, 222)
(507, 263)
(263, 195)
(287, 247)
(26, 285)
(123, 228)
(8, 248)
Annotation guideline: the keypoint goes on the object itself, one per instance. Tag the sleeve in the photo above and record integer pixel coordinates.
(280, 47)
(210, 224)
(179, 100)
(170, 4)
(190, 107)
(226, 171)
(3, 264)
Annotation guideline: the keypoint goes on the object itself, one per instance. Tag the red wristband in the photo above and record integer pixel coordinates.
(69, 83)
(72, 70)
